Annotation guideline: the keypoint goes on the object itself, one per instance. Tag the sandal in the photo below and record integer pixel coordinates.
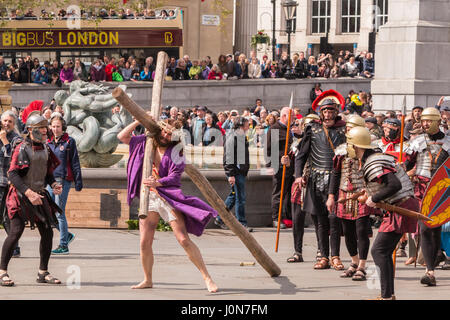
(47, 278)
(338, 265)
(318, 255)
(6, 282)
(360, 275)
(323, 263)
(296, 257)
(350, 271)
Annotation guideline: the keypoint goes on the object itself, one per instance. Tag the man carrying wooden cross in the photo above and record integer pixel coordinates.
(185, 214)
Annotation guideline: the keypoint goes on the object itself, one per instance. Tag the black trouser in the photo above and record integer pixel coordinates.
(356, 234)
(316, 229)
(16, 230)
(3, 212)
(382, 250)
(329, 234)
(298, 227)
(430, 242)
(276, 193)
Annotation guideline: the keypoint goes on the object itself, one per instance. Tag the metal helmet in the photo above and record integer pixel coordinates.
(355, 120)
(359, 137)
(431, 113)
(311, 117)
(36, 120)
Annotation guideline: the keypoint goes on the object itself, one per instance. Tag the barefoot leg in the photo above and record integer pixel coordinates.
(193, 253)
(147, 228)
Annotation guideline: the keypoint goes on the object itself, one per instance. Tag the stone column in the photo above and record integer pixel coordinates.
(5, 98)
(366, 24)
(246, 24)
(412, 53)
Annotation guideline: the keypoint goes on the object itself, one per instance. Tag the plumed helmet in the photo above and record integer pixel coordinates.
(36, 120)
(355, 120)
(431, 113)
(327, 98)
(359, 137)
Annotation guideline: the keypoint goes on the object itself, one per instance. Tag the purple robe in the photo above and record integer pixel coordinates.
(196, 212)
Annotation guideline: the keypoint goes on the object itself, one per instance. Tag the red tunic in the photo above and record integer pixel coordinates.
(394, 222)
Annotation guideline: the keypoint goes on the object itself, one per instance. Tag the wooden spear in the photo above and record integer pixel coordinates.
(207, 190)
(400, 160)
(283, 177)
(150, 150)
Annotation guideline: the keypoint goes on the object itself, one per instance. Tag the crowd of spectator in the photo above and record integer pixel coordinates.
(231, 67)
(17, 14)
(203, 127)
(208, 128)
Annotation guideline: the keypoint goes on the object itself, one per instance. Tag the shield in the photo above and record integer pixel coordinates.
(436, 200)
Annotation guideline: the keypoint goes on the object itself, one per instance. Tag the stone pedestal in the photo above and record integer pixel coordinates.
(411, 55)
(5, 98)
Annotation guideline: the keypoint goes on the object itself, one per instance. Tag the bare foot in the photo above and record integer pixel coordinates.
(212, 287)
(143, 285)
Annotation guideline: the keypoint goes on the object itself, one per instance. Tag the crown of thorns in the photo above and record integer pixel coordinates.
(176, 133)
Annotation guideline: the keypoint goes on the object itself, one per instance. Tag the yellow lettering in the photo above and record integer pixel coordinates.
(49, 39)
(21, 39)
(61, 42)
(37, 39)
(82, 37)
(71, 38)
(31, 39)
(93, 38)
(6, 39)
(113, 37)
(168, 37)
(103, 38)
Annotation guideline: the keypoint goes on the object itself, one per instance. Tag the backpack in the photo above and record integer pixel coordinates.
(117, 77)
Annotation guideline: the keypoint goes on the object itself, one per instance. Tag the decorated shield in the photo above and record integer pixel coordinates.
(436, 200)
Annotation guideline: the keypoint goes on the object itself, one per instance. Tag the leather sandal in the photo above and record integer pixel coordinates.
(350, 271)
(338, 265)
(6, 282)
(360, 275)
(47, 278)
(323, 263)
(296, 257)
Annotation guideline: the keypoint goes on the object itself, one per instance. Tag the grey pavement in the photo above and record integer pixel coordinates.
(107, 264)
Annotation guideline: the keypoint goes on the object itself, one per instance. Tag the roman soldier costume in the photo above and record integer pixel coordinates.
(31, 170)
(385, 181)
(428, 152)
(317, 148)
(297, 199)
(390, 143)
(347, 181)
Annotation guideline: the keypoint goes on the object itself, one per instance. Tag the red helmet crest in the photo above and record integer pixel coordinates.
(329, 94)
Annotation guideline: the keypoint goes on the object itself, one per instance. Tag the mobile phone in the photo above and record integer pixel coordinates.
(447, 98)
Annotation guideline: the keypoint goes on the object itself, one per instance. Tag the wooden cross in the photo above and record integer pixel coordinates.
(199, 180)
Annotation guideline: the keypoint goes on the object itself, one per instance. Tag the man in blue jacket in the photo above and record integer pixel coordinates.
(64, 147)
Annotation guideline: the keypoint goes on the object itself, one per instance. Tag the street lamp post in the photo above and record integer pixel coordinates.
(274, 41)
(289, 6)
